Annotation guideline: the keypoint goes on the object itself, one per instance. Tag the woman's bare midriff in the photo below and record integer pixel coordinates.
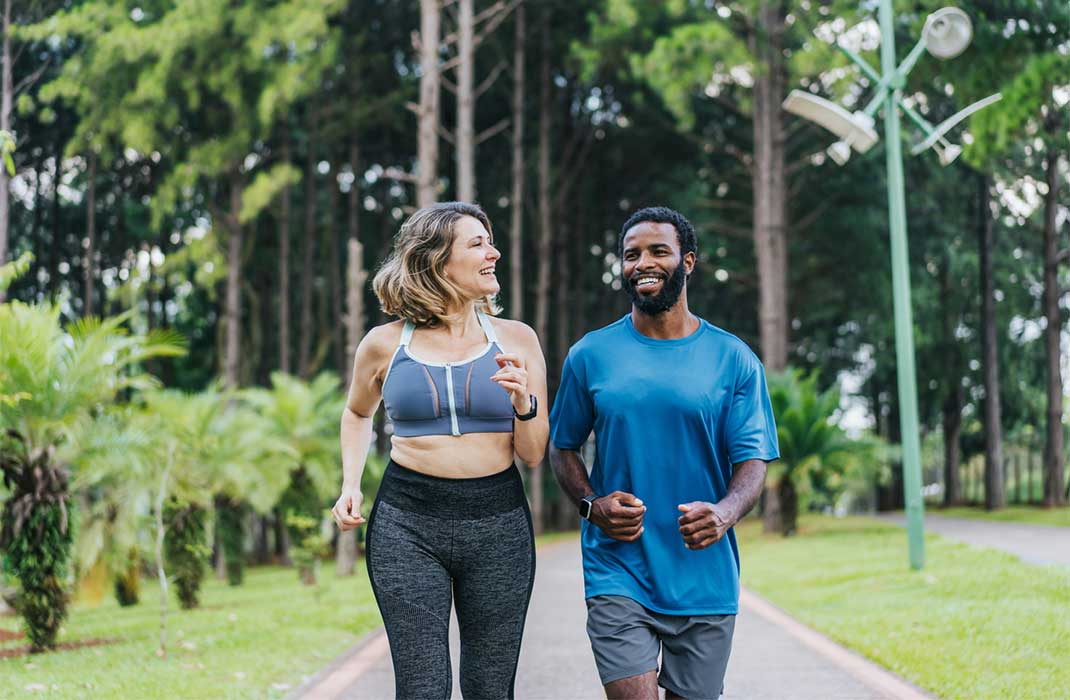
(454, 456)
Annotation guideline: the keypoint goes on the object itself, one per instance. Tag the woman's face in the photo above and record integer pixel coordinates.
(470, 266)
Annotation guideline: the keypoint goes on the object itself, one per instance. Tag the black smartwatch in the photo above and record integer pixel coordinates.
(530, 414)
(586, 505)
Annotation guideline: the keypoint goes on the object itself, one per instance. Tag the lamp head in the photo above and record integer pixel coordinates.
(840, 152)
(947, 32)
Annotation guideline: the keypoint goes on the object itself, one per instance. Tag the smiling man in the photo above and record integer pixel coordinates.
(684, 429)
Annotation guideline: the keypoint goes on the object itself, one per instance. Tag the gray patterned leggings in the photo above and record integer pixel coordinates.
(432, 542)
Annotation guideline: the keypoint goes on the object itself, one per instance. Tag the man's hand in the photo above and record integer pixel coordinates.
(620, 515)
(703, 523)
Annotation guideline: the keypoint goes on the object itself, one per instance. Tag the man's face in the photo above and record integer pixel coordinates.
(652, 269)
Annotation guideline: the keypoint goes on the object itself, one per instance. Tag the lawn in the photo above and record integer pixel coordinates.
(972, 624)
(1034, 515)
(258, 640)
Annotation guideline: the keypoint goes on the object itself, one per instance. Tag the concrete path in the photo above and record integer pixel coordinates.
(1033, 544)
(773, 657)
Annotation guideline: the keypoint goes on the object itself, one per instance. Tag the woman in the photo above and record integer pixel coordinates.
(464, 391)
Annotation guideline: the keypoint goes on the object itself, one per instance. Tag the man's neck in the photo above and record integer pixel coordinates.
(675, 323)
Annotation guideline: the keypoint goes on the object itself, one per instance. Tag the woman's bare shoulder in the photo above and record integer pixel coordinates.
(381, 340)
(515, 333)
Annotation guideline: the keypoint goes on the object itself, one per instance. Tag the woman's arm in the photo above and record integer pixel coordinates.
(530, 436)
(365, 392)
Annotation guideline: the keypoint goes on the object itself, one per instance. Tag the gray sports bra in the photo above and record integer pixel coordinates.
(446, 398)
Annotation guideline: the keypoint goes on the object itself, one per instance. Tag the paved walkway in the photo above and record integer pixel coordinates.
(1033, 544)
(773, 657)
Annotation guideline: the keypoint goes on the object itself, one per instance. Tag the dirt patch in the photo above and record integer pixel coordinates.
(62, 646)
(6, 636)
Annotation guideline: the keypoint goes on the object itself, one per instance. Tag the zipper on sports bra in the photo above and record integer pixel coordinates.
(455, 429)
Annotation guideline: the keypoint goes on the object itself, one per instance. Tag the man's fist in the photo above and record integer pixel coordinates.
(703, 523)
(619, 515)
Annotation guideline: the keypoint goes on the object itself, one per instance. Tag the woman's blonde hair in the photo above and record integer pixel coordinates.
(410, 283)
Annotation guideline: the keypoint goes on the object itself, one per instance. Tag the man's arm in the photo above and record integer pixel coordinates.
(619, 514)
(704, 523)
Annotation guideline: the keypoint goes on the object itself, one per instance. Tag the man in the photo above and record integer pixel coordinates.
(684, 429)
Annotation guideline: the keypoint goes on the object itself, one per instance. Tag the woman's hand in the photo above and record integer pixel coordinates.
(346, 509)
(513, 377)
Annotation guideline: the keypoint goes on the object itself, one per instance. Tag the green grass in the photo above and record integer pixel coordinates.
(258, 640)
(972, 624)
(1033, 515)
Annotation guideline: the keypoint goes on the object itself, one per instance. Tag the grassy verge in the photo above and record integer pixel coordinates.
(972, 624)
(258, 640)
(1033, 515)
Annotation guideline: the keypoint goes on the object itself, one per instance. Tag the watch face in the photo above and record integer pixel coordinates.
(585, 509)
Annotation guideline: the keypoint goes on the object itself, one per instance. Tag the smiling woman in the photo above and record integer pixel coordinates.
(462, 390)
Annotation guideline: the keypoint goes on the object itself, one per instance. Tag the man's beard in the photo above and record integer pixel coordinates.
(663, 300)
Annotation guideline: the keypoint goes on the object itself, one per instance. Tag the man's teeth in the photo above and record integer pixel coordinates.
(647, 281)
(486, 272)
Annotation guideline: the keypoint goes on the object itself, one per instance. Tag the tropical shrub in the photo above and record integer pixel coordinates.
(816, 454)
(185, 550)
(55, 383)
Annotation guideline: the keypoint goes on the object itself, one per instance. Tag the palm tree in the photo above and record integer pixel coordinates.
(305, 416)
(218, 450)
(815, 453)
(54, 386)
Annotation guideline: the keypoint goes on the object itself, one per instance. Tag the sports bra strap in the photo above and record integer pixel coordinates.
(406, 333)
(488, 330)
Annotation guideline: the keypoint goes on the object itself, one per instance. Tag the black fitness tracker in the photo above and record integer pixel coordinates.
(586, 505)
(530, 414)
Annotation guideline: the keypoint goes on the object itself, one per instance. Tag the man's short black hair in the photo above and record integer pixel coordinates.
(685, 232)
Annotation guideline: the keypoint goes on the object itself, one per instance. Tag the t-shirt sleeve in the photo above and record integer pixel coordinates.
(572, 417)
(751, 425)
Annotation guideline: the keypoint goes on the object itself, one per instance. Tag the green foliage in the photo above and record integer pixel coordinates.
(35, 536)
(307, 544)
(14, 269)
(185, 549)
(817, 458)
(203, 81)
(229, 516)
(128, 582)
(265, 186)
(7, 148)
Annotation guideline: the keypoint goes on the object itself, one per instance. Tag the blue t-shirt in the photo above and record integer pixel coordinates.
(670, 418)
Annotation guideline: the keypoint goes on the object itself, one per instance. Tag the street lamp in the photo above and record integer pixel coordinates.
(946, 34)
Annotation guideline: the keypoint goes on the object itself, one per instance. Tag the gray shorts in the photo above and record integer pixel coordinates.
(626, 639)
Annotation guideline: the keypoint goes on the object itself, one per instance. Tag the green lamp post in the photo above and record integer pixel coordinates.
(946, 34)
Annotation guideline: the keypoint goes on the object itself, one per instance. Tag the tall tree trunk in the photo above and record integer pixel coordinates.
(770, 190)
(955, 396)
(355, 273)
(543, 260)
(430, 87)
(995, 493)
(770, 209)
(284, 266)
(465, 147)
(304, 343)
(57, 226)
(335, 277)
(232, 311)
(89, 269)
(346, 558)
(1053, 446)
(6, 90)
(516, 244)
